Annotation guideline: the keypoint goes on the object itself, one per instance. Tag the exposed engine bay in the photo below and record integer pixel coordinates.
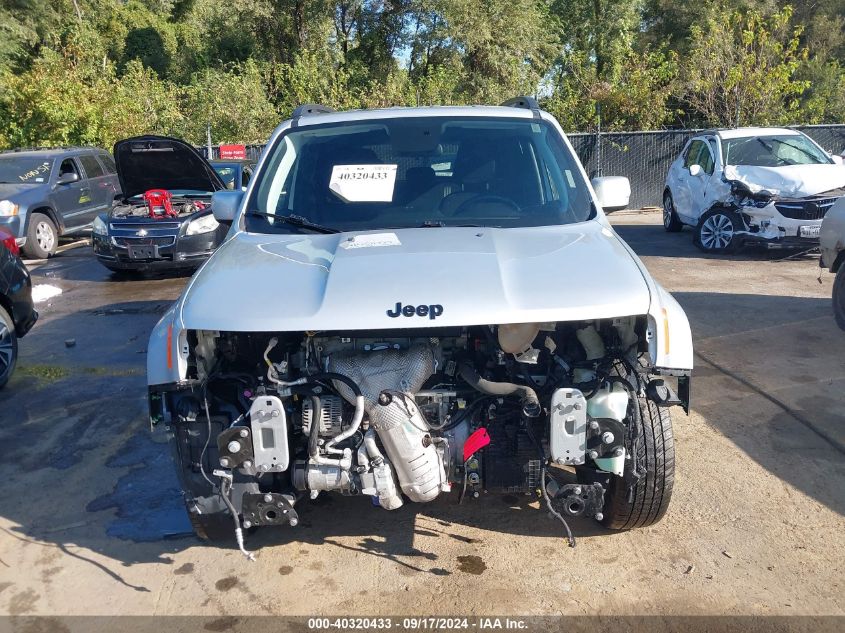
(158, 204)
(266, 420)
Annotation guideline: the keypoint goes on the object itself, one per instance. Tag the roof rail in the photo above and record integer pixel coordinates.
(526, 103)
(310, 108)
(45, 148)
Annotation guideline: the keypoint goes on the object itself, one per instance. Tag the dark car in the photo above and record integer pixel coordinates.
(17, 314)
(235, 174)
(47, 193)
(164, 219)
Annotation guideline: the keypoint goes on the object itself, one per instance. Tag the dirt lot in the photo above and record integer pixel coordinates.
(90, 521)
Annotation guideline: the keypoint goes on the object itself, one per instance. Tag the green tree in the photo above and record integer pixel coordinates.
(741, 69)
(598, 32)
(233, 101)
(504, 46)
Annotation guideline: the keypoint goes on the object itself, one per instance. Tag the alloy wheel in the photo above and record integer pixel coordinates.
(667, 211)
(45, 236)
(7, 349)
(717, 232)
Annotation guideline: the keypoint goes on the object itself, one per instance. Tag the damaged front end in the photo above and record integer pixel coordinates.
(567, 412)
(773, 220)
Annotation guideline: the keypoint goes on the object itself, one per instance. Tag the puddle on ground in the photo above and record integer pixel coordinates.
(471, 565)
(147, 499)
(225, 584)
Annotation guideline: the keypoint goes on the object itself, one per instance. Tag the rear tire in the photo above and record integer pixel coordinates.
(8, 347)
(839, 297)
(671, 222)
(42, 239)
(631, 505)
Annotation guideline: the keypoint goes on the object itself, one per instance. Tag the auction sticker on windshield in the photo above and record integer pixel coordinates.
(371, 240)
(363, 183)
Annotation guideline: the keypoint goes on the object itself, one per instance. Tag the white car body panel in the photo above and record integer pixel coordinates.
(793, 181)
(832, 236)
(304, 282)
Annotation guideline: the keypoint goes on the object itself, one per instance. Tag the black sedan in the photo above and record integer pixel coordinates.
(17, 314)
(164, 219)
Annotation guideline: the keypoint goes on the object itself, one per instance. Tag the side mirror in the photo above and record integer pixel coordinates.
(225, 205)
(68, 178)
(695, 170)
(613, 192)
(837, 159)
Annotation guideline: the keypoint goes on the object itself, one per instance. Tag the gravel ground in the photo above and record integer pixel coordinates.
(90, 521)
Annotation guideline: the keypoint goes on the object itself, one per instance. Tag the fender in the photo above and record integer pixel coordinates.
(669, 335)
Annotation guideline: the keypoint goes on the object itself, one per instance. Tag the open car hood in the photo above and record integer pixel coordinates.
(451, 276)
(161, 162)
(790, 181)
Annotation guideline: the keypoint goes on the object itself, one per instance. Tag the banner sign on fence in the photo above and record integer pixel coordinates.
(233, 152)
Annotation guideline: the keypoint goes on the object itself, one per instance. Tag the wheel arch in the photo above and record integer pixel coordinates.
(46, 209)
(6, 304)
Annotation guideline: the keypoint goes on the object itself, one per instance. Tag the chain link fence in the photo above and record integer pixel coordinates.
(642, 157)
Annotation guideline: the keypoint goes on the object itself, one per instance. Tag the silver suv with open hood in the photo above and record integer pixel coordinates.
(417, 302)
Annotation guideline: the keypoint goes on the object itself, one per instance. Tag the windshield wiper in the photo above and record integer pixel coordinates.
(295, 220)
(768, 146)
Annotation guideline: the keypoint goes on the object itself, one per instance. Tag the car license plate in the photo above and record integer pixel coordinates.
(809, 231)
(147, 251)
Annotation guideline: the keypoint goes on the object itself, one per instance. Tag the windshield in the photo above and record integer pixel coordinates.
(411, 172)
(227, 173)
(773, 151)
(24, 169)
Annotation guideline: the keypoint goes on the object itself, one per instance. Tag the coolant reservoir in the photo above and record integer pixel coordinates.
(611, 401)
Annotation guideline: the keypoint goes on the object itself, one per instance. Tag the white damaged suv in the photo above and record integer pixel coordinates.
(769, 186)
(413, 302)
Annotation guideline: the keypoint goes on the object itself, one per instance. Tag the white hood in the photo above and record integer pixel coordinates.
(790, 181)
(462, 276)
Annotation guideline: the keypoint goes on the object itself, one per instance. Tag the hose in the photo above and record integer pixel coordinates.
(528, 397)
(359, 408)
(225, 489)
(272, 376)
(314, 434)
(543, 474)
(372, 448)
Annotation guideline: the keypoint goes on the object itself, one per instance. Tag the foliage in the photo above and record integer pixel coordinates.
(743, 69)
(93, 71)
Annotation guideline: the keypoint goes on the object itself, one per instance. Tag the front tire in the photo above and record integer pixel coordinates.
(839, 297)
(717, 231)
(671, 222)
(42, 239)
(8, 347)
(634, 503)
